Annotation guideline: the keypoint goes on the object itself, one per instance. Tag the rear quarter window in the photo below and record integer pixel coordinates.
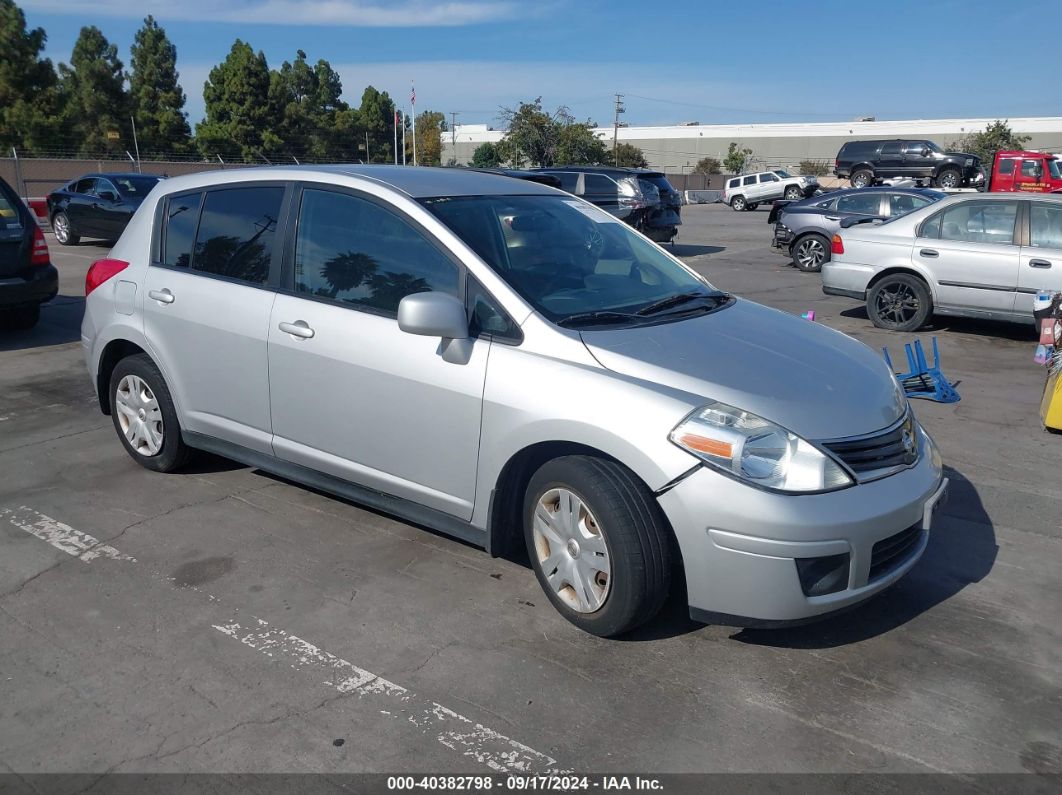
(236, 233)
(180, 218)
(10, 217)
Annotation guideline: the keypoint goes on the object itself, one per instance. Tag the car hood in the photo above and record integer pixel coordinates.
(810, 379)
(964, 155)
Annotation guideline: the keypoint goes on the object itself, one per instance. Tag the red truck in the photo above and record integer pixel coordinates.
(1033, 172)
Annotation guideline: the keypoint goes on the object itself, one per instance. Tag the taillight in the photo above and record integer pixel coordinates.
(40, 248)
(837, 245)
(101, 271)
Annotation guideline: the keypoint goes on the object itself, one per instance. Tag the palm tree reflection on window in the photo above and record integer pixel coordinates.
(352, 269)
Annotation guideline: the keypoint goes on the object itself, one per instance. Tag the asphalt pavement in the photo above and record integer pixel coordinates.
(224, 620)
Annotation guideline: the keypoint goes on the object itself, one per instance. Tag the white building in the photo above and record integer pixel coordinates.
(676, 150)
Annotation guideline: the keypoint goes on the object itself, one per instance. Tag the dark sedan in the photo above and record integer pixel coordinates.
(27, 276)
(805, 228)
(97, 205)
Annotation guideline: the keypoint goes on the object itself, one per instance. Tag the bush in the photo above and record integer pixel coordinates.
(736, 159)
(707, 165)
(814, 168)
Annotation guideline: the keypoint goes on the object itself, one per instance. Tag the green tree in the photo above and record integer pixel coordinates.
(486, 156)
(376, 118)
(155, 95)
(430, 127)
(28, 84)
(628, 155)
(995, 137)
(95, 105)
(736, 159)
(307, 101)
(533, 135)
(240, 118)
(707, 165)
(814, 168)
(577, 145)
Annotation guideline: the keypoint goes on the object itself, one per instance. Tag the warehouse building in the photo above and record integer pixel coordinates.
(677, 149)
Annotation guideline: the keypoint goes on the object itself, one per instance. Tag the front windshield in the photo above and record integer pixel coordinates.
(934, 148)
(135, 187)
(1052, 166)
(782, 173)
(574, 263)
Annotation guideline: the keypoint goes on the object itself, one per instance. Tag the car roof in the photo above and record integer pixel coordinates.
(418, 182)
(117, 174)
(624, 170)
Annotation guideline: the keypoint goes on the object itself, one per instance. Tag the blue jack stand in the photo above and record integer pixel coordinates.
(924, 381)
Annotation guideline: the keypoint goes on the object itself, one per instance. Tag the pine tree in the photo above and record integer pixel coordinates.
(240, 118)
(93, 94)
(155, 95)
(28, 85)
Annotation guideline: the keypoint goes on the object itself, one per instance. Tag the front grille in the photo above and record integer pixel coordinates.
(892, 552)
(891, 449)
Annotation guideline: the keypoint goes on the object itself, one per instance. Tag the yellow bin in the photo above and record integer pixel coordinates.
(1051, 406)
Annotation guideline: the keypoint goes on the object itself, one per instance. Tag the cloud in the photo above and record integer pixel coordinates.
(347, 13)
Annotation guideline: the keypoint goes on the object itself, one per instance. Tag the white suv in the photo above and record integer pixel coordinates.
(747, 191)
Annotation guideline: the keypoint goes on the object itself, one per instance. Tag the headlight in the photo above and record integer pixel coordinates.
(757, 451)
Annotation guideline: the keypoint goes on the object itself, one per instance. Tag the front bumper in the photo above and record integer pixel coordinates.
(35, 285)
(740, 544)
(783, 236)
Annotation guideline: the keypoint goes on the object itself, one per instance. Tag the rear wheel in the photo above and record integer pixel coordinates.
(899, 302)
(144, 415)
(861, 178)
(64, 232)
(949, 178)
(809, 252)
(793, 193)
(738, 203)
(752, 205)
(20, 319)
(598, 543)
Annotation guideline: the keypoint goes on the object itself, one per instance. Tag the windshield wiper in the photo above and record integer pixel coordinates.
(585, 318)
(679, 298)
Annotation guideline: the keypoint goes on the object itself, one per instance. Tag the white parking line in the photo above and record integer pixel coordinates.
(61, 536)
(455, 731)
(452, 730)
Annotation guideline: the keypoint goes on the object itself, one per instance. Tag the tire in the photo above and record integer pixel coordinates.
(157, 445)
(738, 203)
(900, 302)
(64, 231)
(948, 178)
(752, 206)
(21, 318)
(794, 193)
(809, 252)
(862, 178)
(620, 527)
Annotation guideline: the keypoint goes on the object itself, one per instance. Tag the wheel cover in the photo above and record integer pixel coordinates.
(860, 181)
(897, 303)
(738, 203)
(139, 415)
(62, 228)
(810, 253)
(571, 550)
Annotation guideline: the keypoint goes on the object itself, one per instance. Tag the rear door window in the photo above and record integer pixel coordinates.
(355, 252)
(903, 203)
(598, 185)
(975, 222)
(237, 230)
(569, 180)
(749, 180)
(179, 223)
(86, 185)
(861, 203)
(1045, 225)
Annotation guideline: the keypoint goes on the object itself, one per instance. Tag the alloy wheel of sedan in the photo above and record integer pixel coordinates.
(61, 227)
(897, 303)
(810, 253)
(571, 550)
(139, 415)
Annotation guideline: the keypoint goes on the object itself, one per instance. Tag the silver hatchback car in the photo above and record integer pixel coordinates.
(505, 363)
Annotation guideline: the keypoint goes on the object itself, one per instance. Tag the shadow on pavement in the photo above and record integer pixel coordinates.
(60, 323)
(962, 550)
(689, 250)
(1018, 332)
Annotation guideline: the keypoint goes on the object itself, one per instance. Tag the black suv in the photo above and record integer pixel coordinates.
(865, 162)
(27, 276)
(640, 196)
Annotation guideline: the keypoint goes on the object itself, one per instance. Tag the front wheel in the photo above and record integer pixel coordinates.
(810, 252)
(900, 302)
(64, 231)
(598, 543)
(144, 415)
(793, 193)
(949, 178)
(737, 203)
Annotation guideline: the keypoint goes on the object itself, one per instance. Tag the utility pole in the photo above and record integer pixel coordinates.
(615, 127)
(453, 136)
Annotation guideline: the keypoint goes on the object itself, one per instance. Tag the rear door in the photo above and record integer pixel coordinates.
(769, 186)
(14, 240)
(1003, 178)
(917, 160)
(970, 249)
(1041, 254)
(890, 161)
(206, 312)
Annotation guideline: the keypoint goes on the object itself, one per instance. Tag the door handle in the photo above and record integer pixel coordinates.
(297, 329)
(1039, 263)
(163, 296)
(929, 252)
(833, 218)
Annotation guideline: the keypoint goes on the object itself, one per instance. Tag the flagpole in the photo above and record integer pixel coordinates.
(413, 104)
(394, 118)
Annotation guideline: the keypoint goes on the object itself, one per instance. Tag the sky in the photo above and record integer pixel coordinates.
(677, 61)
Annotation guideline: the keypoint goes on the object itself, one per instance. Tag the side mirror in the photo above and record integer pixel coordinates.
(433, 314)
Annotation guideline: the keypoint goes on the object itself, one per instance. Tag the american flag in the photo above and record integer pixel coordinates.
(412, 94)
